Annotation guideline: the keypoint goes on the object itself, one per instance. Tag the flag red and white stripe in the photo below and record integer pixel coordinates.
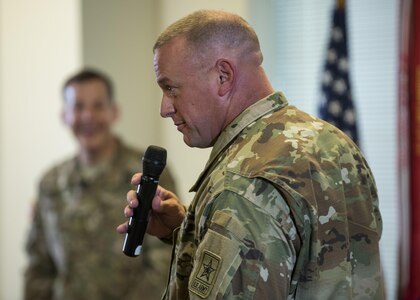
(409, 149)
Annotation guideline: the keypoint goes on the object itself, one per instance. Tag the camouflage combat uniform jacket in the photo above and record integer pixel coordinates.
(286, 208)
(75, 252)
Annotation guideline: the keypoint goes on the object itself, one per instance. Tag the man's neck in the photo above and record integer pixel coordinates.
(252, 90)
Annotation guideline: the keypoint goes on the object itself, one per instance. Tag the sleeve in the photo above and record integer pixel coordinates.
(40, 272)
(249, 248)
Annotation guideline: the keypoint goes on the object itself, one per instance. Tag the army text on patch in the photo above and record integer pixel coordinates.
(204, 277)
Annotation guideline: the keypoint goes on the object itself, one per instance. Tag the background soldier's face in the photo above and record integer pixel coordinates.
(90, 113)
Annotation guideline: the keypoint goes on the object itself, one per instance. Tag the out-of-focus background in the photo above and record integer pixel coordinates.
(43, 42)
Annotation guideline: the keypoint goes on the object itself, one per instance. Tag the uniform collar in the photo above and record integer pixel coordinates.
(260, 108)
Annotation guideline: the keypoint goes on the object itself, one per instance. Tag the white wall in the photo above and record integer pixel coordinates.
(39, 46)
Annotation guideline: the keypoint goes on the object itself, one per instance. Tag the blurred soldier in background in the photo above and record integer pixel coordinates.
(73, 251)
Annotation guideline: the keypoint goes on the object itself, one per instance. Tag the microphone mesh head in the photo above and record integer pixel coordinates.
(154, 161)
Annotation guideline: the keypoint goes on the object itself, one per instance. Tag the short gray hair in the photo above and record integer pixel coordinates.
(206, 28)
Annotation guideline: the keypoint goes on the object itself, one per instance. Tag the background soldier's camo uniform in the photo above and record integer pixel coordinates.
(74, 251)
(286, 208)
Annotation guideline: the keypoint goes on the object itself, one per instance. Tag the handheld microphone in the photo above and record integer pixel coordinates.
(154, 162)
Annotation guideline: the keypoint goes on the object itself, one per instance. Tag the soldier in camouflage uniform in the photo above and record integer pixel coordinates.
(73, 253)
(286, 207)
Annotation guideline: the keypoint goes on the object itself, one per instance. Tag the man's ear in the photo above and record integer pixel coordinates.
(115, 112)
(226, 76)
(64, 117)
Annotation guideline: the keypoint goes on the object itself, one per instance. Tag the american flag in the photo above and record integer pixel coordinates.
(336, 101)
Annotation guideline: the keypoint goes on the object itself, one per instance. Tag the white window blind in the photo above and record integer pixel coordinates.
(297, 43)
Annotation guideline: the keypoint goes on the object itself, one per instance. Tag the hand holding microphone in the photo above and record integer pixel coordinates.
(168, 212)
(154, 162)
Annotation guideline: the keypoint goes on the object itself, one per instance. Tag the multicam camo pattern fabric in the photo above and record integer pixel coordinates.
(286, 208)
(74, 250)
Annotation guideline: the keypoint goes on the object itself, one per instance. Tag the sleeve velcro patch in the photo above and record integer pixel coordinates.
(204, 278)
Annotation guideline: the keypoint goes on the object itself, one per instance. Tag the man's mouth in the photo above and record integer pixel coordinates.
(179, 126)
(88, 130)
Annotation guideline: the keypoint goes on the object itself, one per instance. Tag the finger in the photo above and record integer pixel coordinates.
(162, 195)
(136, 178)
(158, 199)
(128, 212)
(122, 228)
(157, 204)
(132, 199)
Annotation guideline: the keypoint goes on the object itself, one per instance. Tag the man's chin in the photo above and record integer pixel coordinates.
(196, 144)
(188, 142)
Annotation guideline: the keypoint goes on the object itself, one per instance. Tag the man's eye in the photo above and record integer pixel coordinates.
(78, 107)
(170, 89)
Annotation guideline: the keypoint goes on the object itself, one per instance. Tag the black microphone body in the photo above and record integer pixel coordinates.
(154, 162)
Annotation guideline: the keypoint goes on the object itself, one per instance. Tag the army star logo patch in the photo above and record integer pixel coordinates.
(204, 277)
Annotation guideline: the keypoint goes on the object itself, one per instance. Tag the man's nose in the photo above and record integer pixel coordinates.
(167, 108)
(87, 114)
